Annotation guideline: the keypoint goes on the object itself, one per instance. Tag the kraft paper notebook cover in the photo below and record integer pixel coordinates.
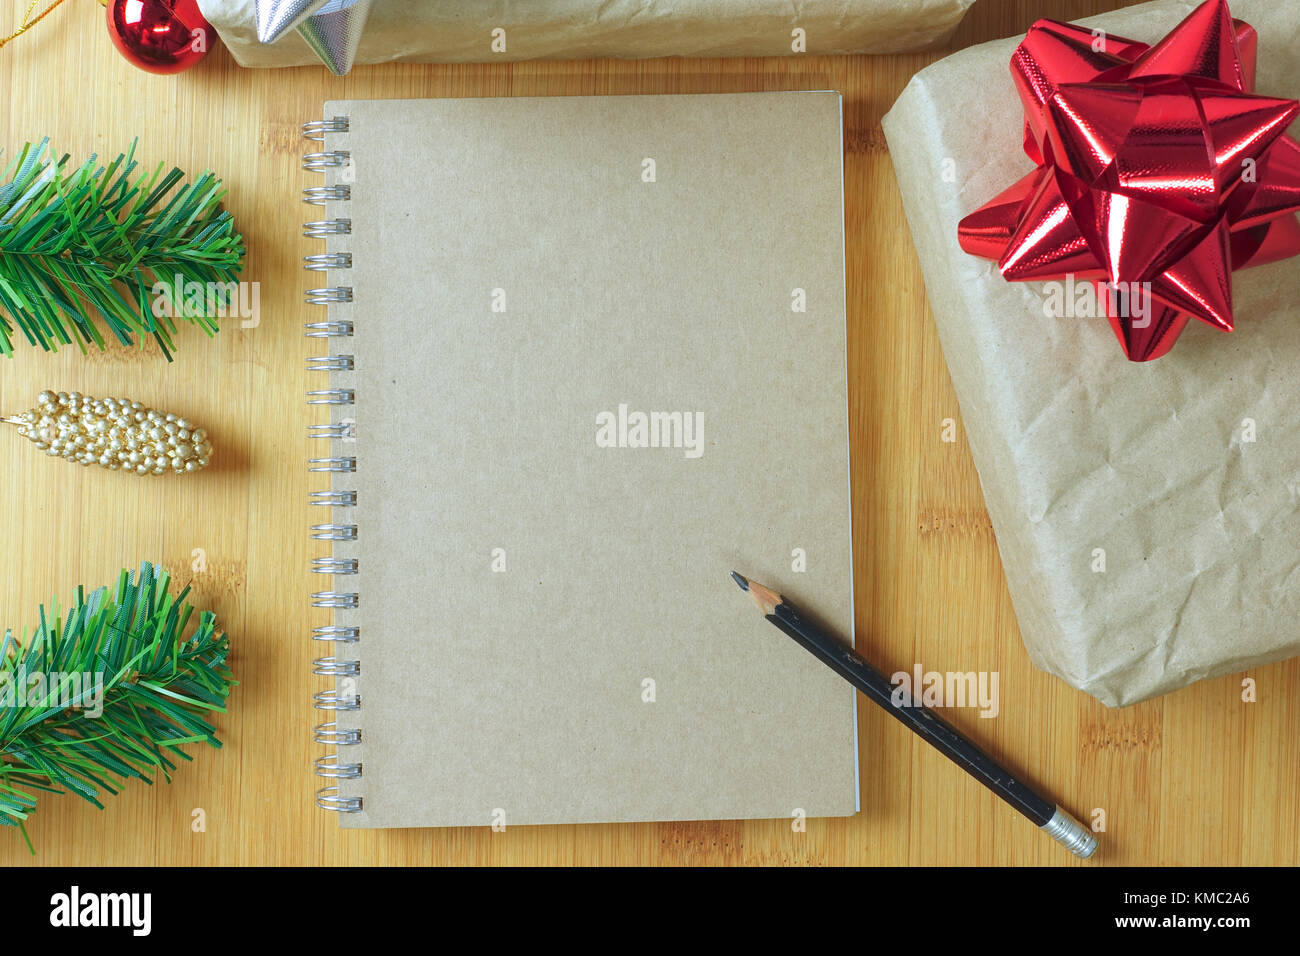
(576, 343)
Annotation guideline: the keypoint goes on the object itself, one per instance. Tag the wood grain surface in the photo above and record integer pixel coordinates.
(1196, 777)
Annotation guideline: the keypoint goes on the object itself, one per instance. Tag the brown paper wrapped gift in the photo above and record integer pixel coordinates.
(1147, 514)
(455, 31)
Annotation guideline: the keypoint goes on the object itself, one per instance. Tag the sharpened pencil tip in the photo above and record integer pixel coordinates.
(766, 599)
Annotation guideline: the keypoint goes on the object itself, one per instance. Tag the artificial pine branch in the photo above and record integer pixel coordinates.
(85, 248)
(157, 685)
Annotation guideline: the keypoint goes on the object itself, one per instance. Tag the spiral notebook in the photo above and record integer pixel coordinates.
(586, 355)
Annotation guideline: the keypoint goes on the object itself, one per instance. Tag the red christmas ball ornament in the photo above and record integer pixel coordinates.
(160, 36)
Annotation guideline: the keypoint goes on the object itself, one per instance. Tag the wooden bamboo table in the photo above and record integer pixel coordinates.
(1196, 777)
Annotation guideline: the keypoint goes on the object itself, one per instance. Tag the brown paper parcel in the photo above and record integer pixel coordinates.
(1147, 514)
(453, 31)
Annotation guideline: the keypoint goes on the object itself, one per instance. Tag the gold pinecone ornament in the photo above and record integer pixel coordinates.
(114, 433)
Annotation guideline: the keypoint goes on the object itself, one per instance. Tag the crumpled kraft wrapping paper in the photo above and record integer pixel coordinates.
(1077, 448)
(454, 31)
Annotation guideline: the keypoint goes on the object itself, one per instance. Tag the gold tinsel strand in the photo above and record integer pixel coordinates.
(114, 433)
(28, 22)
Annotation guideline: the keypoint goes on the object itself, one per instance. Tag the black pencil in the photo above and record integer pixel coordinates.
(1045, 814)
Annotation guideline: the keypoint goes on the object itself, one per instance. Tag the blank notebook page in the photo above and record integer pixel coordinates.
(599, 349)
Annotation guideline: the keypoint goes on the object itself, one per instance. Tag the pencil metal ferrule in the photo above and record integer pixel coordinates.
(1071, 834)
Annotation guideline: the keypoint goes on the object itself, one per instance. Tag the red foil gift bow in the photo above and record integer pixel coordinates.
(1157, 165)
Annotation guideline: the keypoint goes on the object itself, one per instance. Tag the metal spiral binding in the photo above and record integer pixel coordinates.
(336, 465)
(332, 766)
(334, 565)
(323, 228)
(319, 162)
(332, 396)
(327, 330)
(329, 798)
(330, 733)
(338, 293)
(332, 430)
(333, 700)
(323, 262)
(334, 499)
(333, 667)
(334, 532)
(336, 633)
(330, 363)
(316, 129)
(320, 195)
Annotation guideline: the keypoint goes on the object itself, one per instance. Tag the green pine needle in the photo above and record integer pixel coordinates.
(157, 687)
(81, 250)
